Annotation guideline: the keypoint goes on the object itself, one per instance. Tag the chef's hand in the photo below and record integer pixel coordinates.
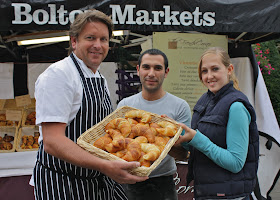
(118, 171)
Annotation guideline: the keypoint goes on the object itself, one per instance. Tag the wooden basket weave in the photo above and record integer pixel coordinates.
(26, 112)
(12, 131)
(17, 125)
(87, 139)
(28, 130)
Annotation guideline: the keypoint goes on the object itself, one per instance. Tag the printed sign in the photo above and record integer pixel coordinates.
(184, 192)
(13, 115)
(23, 100)
(183, 51)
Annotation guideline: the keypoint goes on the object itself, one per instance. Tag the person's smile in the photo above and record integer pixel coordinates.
(95, 53)
(212, 83)
(151, 81)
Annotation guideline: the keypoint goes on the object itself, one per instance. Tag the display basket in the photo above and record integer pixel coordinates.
(87, 139)
(29, 131)
(10, 123)
(11, 131)
(26, 112)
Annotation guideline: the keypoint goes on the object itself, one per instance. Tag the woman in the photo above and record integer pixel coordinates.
(224, 135)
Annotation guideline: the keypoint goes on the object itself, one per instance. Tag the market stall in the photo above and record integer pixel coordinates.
(18, 161)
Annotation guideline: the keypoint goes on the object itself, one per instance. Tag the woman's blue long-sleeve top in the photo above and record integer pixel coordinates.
(237, 139)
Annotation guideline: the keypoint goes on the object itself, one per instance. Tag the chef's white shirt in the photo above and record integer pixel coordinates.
(59, 92)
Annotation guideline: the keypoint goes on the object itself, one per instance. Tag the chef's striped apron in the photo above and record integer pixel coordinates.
(57, 179)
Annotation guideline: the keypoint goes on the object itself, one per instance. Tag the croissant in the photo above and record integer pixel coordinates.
(141, 139)
(133, 150)
(121, 124)
(120, 153)
(138, 130)
(152, 151)
(168, 129)
(143, 162)
(144, 116)
(111, 148)
(154, 125)
(131, 121)
(161, 142)
(150, 135)
(103, 141)
(113, 124)
(153, 129)
(118, 139)
(143, 130)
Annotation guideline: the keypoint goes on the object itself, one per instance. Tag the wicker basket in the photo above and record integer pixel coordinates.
(30, 130)
(26, 112)
(87, 139)
(12, 131)
(14, 123)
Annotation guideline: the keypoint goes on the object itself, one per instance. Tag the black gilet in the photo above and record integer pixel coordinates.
(210, 117)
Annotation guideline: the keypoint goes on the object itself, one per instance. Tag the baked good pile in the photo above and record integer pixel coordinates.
(6, 142)
(31, 118)
(136, 138)
(30, 141)
(5, 122)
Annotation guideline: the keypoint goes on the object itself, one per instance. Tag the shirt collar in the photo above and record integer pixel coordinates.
(86, 70)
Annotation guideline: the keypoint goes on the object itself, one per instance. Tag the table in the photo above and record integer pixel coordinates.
(16, 169)
(17, 163)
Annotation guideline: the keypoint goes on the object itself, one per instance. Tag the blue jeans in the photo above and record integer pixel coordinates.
(159, 188)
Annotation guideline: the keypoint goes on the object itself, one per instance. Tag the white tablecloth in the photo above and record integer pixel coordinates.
(17, 163)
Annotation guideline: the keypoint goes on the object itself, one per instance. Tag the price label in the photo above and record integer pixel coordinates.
(2, 103)
(23, 100)
(13, 115)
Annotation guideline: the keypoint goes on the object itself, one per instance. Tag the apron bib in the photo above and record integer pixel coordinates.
(57, 179)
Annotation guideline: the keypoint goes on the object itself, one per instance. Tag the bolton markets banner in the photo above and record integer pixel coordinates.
(146, 15)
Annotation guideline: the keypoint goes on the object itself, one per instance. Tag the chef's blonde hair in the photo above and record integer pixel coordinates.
(225, 60)
(89, 16)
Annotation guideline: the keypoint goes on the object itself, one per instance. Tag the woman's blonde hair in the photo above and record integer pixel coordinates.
(225, 60)
(89, 16)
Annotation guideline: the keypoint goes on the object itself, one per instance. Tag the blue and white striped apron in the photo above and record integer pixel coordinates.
(57, 179)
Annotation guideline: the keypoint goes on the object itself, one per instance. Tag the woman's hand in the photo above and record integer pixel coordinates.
(188, 136)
